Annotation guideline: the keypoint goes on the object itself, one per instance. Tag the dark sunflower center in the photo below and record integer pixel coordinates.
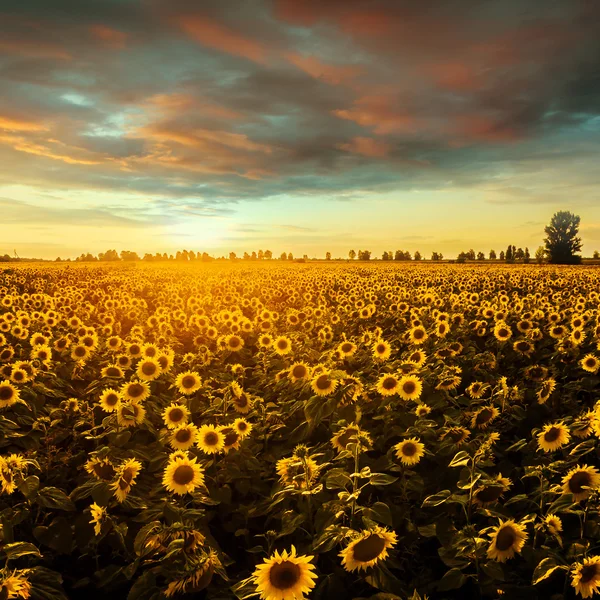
(348, 436)
(418, 334)
(234, 342)
(484, 416)
(80, 351)
(135, 390)
(505, 539)
(6, 393)
(346, 347)
(188, 382)
(380, 349)
(183, 475)
(282, 344)
(284, 575)
(323, 382)
(183, 435)
(416, 357)
(148, 368)
(211, 439)
(409, 387)
(176, 414)
(552, 434)
(578, 480)
(135, 349)
(588, 573)
(242, 401)
(409, 449)
(489, 493)
(111, 399)
(127, 475)
(242, 426)
(231, 436)
(502, 332)
(105, 471)
(369, 548)
(389, 383)
(590, 362)
(523, 346)
(299, 371)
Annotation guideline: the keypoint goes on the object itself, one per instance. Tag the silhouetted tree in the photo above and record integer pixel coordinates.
(519, 254)
(268, 254)
(526, 256)
(232, 256)
(418, 255)
(540, 254)
(351, 255)
(509, 254)
(328, 256)
(596, 255)
(290, 256)
(562, 242)
(492, 255)
(501, 255)
(480, 256)
(283, 256)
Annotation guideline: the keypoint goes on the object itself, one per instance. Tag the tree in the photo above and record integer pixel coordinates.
(526, 256)
(232, 256)
(290, 256)
(261, 255)
(129, 256)
(364, 255)
(480, 256)
(492, 255)
(519, 254)
(283, 256)
(327, 255)
(268, 254)
(352, 255)
(418, 255)
(471, 254)
(596, 255)
(385, 256)
(562, 242)
(501, 254)
(509, 254)
(540, 254)
(437, 256)
(398, 255)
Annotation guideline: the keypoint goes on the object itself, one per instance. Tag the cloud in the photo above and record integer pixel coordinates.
(366, 146)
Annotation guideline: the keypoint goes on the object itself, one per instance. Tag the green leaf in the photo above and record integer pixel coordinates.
(336, 479)
(51, 497)
(583, 448)
(19, 549)
(28, 487)
(382, 479)
(452, 580)
(380, 513)
(437, 499)
(544, 569)
(493, 570)
(460, 459)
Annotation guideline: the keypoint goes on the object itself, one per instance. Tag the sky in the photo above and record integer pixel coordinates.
(300, 125)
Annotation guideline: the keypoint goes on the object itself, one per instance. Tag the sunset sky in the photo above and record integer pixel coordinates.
(298, 125)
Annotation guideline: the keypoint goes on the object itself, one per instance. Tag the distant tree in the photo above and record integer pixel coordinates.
(58, 259)
(562, 242)
(509, 254)
(385, 256)
(501, 255)
(540, 255)
(351, 255)
(364, 255)
(526, 256)
(492, 255)
(437, 256)
(596, 255)
(418, 255)
(328, 256)
(398, 255)
(232, 256)
(283, 256)
(261, 255)
(519, 254)
(407, 255)
(246, 256)
(471, 254)
(129, 256)
(480, 256)
(108, 255)
(148, 257)
(290, 256)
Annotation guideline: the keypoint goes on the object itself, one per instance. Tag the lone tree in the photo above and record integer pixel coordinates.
(562, 241)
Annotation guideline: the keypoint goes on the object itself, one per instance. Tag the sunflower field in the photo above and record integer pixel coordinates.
(288, 431)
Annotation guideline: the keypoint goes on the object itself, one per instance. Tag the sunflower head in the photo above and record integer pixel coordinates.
(368, 548)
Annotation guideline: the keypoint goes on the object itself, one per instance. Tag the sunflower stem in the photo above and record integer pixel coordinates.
(355, 480)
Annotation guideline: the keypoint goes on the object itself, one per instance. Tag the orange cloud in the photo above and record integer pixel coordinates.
(366, 146)
(319, 70)
(484, 129)
(111, 37)
(377, 112)
(33, 49)
(455, 76)
(209, 33)
(178, 102)
(20, 125)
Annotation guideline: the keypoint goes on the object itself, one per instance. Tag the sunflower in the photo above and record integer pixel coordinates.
(410, 387)
(507, 538)
(323, 384)
(265, 341)
(370, 547)
(130, 414)
(101, 468)
(175, 415)
(410, 451)
(198, 575)
(590, 363)
(189, 382)
(502, 331)
(285, 576)
(545, 391)
(127, 473)
(418, 335)
(80, 352)
(457, 435)
(381, 350)
(579, 481)
(242, 427)
(477, 389)
(585, 576)
(135, 391)
(484, 416)
(553, 437)
(388, 385)
(210, 439)
(554, 524)
(232, 438)
(183, 437)
(298, 371)
(491, 492)
(297, 471)
(109, 400)
(182, 475)
(9, 394)
(234, 342)
(113, 371)
(282, 345)
(98, 516)
(584, 426)
(148, 369)
(422, 409)
(19, 376)
(15, 585)
(348, 435)
(523, 347)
